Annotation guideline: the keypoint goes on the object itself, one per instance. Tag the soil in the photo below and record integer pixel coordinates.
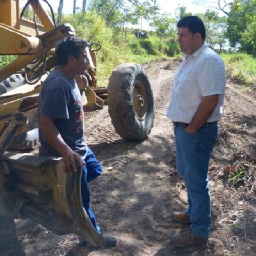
(140, 187)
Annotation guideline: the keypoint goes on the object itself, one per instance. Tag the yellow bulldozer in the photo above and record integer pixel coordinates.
(37, 187)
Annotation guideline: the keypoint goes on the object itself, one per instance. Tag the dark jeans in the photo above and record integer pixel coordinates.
(91, 170)
(193, 151)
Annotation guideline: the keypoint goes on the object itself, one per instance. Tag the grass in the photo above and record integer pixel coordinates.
(242, 174)
(118, 46)
(241, 68)
(231, 128)
(6, 59)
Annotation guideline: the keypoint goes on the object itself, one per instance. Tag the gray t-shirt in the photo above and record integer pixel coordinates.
(60, 99)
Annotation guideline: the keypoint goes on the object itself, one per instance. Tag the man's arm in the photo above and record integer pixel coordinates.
(52, 135)
(203, 113)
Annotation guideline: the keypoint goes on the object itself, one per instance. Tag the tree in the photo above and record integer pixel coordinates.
(164, 25)
(83, 6)
(60, 9)
(182, 12)
(113, 11)
(241, 25)
(74, 7)
(223, 5)
(145, 10)
(248, 38)
(215, 29)
(108, 9)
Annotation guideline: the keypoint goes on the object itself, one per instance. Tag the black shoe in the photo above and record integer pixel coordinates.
(82, 242)
(110, 241)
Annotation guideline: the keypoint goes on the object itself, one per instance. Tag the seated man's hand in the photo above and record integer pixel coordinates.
(71, 160)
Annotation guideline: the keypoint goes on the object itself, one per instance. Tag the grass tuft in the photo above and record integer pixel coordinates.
(241, 68)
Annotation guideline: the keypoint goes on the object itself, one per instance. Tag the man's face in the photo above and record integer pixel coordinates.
(188, 41)
(80, 63)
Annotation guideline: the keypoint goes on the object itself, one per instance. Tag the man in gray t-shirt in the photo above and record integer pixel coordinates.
(61, 120)
(60, 99)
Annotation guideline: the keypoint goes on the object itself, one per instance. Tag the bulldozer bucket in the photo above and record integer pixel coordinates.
(39, 189)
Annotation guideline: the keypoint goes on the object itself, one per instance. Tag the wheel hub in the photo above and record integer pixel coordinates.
(139, 100)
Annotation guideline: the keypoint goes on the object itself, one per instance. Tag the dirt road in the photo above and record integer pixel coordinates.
(140, 187)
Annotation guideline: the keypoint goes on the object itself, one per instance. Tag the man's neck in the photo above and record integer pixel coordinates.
(196, 49)
(66, 72)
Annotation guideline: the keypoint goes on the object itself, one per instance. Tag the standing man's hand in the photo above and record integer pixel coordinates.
(190, 130)
(71, 161)
(203, 113)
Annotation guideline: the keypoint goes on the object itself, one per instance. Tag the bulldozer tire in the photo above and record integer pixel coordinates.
(10, 83)
(130, 102)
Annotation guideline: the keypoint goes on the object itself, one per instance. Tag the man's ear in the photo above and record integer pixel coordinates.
(198, 36)
(71, 58)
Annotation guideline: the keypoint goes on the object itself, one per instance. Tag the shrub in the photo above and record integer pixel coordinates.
(137, 49)
(241, 68)
(148, 45)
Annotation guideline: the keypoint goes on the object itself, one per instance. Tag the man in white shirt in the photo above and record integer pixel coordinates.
(195, 108)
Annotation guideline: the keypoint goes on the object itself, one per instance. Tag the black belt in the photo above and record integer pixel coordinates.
(185, 125)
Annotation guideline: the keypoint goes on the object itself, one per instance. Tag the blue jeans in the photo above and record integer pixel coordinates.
(91, 170)
(193, 151)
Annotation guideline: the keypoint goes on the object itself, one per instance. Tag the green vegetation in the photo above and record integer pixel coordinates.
(241, 68)
(118, 12)
(242, 174)
(4, 60)
(241, 22)
(118, 45)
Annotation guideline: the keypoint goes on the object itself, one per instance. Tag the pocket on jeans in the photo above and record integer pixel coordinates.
(187, 137)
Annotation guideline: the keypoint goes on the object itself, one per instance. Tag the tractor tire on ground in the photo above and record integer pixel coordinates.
(130, 102)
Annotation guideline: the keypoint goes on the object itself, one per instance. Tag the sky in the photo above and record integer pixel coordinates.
(194, 6)
(168, 6)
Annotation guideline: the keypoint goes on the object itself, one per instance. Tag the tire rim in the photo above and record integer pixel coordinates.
(140, 101)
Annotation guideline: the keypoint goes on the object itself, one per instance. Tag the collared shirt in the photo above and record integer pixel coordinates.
(200, 74)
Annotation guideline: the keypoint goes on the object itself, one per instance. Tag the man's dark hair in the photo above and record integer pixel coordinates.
(194, 25)
(69, 46)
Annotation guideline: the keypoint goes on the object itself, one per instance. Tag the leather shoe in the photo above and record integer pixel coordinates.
(181, 217)
(186, 238)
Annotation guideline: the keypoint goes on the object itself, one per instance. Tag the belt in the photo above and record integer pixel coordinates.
(185, 125)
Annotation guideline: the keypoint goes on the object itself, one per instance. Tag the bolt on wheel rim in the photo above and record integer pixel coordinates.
(140, 102)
